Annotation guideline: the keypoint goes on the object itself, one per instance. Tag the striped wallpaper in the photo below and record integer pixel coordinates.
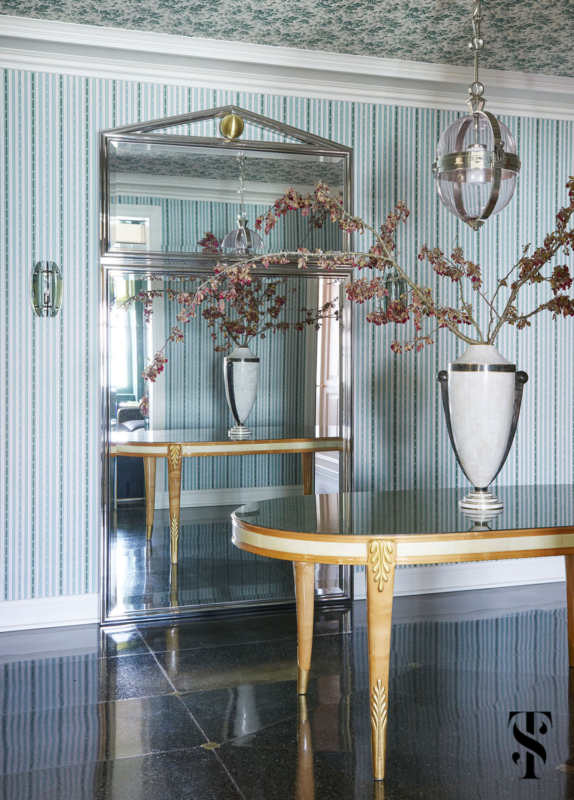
(49, 401)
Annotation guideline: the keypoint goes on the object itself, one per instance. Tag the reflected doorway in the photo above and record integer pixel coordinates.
(327, 465)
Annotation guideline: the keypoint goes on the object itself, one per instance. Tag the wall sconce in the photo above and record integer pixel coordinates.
(47, 289)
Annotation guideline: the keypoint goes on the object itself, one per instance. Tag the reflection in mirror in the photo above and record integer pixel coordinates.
(171, 497)
(166, 198)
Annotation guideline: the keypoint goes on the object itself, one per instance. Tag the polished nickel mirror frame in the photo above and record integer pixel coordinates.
(142, 133)
(146, 263)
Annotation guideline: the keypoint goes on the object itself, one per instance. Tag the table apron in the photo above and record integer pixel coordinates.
(484, 549)
(225, 449)
(329, 550)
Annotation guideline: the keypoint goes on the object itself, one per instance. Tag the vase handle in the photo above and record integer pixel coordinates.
(443, 380)
(521, 379)
(231, 390)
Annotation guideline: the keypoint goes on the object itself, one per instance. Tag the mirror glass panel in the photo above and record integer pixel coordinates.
(165, 198)
(300, 387)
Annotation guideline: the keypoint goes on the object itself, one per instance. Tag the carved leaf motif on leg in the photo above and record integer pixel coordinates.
(174, 527)
(174, 535)
(174, 454)
(381, 557)
(378, 723)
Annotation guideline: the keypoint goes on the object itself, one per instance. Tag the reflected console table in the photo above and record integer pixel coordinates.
(175, 445)
(381, 530)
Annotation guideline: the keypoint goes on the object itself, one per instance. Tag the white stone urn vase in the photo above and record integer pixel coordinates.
(481, 395)
(241, 376)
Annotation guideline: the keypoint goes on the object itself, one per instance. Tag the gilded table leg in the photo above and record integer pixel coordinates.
(380, 582)
(174, 461)
(308, 472)
(149, 479)
(305, 594)
(570, 603)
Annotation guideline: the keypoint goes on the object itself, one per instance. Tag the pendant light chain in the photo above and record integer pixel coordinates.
(242, 188)
(476, 44)
(242, 240)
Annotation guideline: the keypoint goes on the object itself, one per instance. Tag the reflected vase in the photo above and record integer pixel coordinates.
(241, 376)
(481, 395)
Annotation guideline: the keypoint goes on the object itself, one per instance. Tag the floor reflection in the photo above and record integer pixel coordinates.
(305, 785)
(126, 716)
(211, 569)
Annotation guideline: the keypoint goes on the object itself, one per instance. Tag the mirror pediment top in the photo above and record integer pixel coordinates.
(290, 136)
(184, 159)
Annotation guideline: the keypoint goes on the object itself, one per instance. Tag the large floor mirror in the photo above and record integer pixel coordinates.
(175, 202)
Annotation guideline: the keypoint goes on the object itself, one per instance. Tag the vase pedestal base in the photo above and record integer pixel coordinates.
(483, 504)
(239, 432)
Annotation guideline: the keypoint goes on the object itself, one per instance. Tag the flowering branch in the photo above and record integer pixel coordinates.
(456, 268)
(415, 302)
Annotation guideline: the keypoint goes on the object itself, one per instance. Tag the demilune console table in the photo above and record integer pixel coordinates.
(175, 445)
(381, 530)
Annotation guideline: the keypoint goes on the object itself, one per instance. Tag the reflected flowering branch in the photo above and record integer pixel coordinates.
(209, 243)
(243, 312)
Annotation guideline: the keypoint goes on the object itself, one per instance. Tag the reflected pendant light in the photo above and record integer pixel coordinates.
(476, 164)
(397, 289)
(242, 241)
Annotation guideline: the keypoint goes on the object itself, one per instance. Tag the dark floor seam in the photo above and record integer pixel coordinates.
(229, 775)
(243, 644)
(175, 691)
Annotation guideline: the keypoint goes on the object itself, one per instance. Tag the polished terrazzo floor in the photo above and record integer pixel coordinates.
(122, 714)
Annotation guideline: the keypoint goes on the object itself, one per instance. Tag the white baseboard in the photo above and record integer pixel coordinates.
(327, 466)
(53, 612)
(49, 612)
(474, 575)
(228, 497)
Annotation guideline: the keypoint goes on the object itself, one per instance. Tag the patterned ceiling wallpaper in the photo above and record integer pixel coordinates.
(291, 171)
(521, 35)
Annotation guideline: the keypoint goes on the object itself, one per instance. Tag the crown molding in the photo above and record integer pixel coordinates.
(91, 51)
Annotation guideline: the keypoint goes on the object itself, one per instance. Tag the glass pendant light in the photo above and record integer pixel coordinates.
(476, 164)
(242, 241)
